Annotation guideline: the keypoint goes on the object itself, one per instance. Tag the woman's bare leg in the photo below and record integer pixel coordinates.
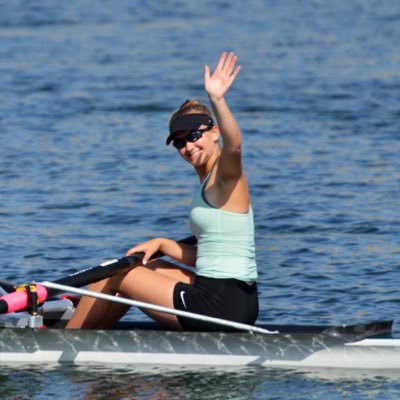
(90, 311)
(153, 284)
(117, 311)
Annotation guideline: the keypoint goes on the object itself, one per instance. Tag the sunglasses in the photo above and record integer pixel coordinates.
(191, 137)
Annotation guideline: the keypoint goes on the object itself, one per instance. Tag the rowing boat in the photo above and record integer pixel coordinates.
(24, 340)
(360, 346)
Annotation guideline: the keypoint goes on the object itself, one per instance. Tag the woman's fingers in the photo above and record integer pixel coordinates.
(235, 72)
(227, 63)
(226, 66)
(133, 250)
(147, 253)
(221, 62)
(148, 248)
(207, 72)
(230, 63)
(217, 82)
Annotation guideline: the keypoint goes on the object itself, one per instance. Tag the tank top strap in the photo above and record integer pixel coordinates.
(207, 177)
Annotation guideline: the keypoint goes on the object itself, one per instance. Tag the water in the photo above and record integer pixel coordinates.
(87, 88)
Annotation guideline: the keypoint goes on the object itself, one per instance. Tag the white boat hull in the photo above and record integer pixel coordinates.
(159, 347)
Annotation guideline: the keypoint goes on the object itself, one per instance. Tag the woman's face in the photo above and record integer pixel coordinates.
(197, 150)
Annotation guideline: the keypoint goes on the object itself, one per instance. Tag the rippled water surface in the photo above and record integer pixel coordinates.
(86, 91)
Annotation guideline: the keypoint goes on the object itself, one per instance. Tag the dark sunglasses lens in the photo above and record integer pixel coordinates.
(190, 137)
(193, 136)
(179, 143)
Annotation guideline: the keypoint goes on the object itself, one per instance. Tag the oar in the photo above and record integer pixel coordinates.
(149, 306)
(7, 286)
(18, 300)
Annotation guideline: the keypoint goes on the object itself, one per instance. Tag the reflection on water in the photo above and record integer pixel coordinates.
(201, 383)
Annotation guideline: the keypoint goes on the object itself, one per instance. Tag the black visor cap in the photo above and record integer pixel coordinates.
(188, 122)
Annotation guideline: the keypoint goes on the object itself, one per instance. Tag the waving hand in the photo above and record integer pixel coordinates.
(218, 83)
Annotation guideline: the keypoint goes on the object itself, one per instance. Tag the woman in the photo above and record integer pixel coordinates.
(221, 218)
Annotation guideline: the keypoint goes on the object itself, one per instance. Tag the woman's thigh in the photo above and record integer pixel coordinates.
(155, 284)
(171, 270)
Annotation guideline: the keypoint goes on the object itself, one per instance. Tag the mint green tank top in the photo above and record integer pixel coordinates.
(225, 240)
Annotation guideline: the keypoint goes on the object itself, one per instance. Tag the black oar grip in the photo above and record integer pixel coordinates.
(98, 273)
(7, 286)
(3, 307)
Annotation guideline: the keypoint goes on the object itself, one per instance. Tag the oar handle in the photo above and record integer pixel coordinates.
(19, 300)
(7, 286)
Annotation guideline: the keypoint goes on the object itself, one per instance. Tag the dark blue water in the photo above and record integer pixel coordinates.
(86, 91)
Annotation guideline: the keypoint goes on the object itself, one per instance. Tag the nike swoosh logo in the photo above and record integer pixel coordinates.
(182, 294)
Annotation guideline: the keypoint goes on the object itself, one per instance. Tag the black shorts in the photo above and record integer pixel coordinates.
(229, 299)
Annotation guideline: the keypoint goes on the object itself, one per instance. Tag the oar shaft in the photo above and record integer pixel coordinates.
(149, 306)
(102, 271)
